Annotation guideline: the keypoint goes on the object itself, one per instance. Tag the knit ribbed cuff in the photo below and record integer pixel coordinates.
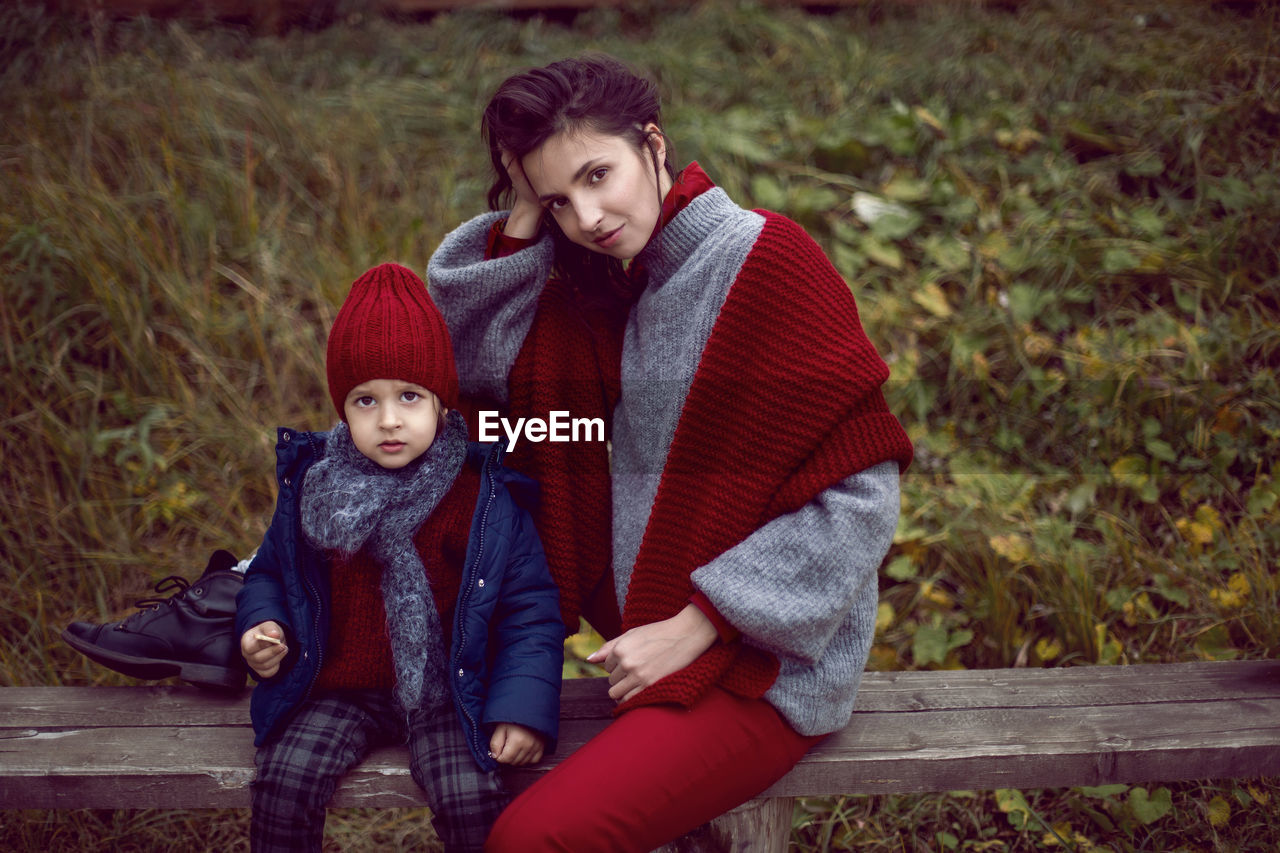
(499, 245)
(727, 632)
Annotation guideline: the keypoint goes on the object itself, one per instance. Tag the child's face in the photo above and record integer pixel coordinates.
(602, 191)
(392, 422)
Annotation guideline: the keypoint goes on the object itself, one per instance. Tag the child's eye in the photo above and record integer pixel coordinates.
(409, 396)
(364, 402)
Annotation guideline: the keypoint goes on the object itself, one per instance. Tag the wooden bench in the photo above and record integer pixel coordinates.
(180, 747)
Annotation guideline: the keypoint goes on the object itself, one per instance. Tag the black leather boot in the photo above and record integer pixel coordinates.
(191, 634)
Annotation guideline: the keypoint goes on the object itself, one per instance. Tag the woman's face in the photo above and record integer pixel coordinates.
(604, 194)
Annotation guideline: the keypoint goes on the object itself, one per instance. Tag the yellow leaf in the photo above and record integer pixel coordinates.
(1054, 839)
(1013, 547)
(1109, 648)
(1235, 594)
(1194, 532)
(1130, 614)
(1259, 795)
(934, 595)
(1201, 527)
(1227, 598)
(884, 616)
(582, 644)
(1017, 141)
(1130, 471)
(1219, 812)
(1137, 607)
(1209, 517)
(905, 187)
(931, 298)
(883, 253)
(1048, 649)
(1199, 533)
(1239, 584)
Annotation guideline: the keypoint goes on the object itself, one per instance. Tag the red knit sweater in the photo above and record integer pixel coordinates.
(359, 647)
(818, 390)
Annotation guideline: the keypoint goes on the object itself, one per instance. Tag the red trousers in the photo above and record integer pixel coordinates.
(652, 775)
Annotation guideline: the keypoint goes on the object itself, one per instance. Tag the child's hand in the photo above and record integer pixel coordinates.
(262, 654)
(515, 745)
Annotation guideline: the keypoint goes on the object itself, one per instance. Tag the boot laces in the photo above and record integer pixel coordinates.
(173, 584)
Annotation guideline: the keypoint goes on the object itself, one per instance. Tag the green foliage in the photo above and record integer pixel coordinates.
(1060, 222)
(1115, 818)
(1089, 379)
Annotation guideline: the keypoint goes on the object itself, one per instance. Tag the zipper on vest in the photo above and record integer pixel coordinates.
(465, 595)
(312, 591)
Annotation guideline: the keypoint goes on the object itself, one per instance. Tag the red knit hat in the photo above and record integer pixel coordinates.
(388, 328)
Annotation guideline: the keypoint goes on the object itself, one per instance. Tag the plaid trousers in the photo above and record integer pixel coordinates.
(299, 770)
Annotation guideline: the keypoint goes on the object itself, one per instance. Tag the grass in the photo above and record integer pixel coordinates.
(1061, 222)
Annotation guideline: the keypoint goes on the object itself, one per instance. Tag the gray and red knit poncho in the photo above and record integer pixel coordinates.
(754, 460)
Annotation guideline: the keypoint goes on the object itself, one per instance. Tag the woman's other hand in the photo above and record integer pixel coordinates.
(649, 653)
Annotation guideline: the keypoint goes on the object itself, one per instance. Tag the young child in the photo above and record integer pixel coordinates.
(400, 592)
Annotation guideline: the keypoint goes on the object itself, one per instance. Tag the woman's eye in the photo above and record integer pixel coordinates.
(598, 175)
(557, 204)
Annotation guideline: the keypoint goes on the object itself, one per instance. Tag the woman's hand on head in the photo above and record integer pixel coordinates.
(649, 653)
(263, 655)
(526, 214)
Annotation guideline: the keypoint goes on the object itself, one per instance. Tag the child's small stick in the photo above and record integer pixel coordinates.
(258, 636)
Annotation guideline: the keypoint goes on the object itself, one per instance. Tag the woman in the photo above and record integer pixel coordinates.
(728, 544)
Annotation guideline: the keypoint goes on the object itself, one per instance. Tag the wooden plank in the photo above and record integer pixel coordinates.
(156, 705)
(920, 731)
(586, 698)
(1086, 686)
(1042, 747)
(417, 6)
(288, 9)
(116, 767)
(167, 705)
(179, 767)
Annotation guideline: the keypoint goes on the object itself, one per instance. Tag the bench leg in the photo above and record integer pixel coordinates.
(756, 826)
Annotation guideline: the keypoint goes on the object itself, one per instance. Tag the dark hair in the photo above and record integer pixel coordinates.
(594, 92)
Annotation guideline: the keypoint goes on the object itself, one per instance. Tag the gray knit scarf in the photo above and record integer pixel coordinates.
(350, 502)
